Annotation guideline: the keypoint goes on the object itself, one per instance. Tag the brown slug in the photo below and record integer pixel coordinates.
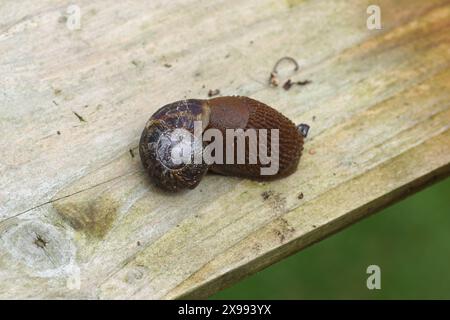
(165, 132)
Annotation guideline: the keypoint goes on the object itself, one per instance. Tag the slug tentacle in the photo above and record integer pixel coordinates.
(303, 128)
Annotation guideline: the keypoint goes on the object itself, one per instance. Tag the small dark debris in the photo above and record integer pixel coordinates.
(280, 235)
(257, 246)
(40, 242)
(55, 103)
(79, 117)
(266, 194)
(131, 153)
(273, 79)
(300, 196)
(85, 106)
(303, 83)
(58, 133)
(314, 226)
(227, 56)
(138, 243)
(197, 74)
(57, 92)
(212, 93)
(289, 83)
(252, 42)
(314, 118)
(167, 65)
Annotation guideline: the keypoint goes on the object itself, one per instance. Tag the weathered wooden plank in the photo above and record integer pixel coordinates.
(379, 106)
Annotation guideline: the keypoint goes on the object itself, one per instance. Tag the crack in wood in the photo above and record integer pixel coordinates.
(70, 195)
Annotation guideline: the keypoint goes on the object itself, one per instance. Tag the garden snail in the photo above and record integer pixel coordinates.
(165, 134)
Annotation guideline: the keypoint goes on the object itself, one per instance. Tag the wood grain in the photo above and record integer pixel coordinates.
(378, 106)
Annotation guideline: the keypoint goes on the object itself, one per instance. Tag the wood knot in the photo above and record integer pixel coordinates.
(45, 250)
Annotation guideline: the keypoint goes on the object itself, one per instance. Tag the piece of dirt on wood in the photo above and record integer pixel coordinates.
(213, 93)
(275, 200)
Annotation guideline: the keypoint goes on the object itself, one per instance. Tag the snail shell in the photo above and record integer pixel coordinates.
(157, 140)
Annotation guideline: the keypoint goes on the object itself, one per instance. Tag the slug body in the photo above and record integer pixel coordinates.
(158, 142)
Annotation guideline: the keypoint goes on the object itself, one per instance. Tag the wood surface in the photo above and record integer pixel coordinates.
(74, 202)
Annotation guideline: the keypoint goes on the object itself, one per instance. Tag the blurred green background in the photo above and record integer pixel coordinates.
(410, 241)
